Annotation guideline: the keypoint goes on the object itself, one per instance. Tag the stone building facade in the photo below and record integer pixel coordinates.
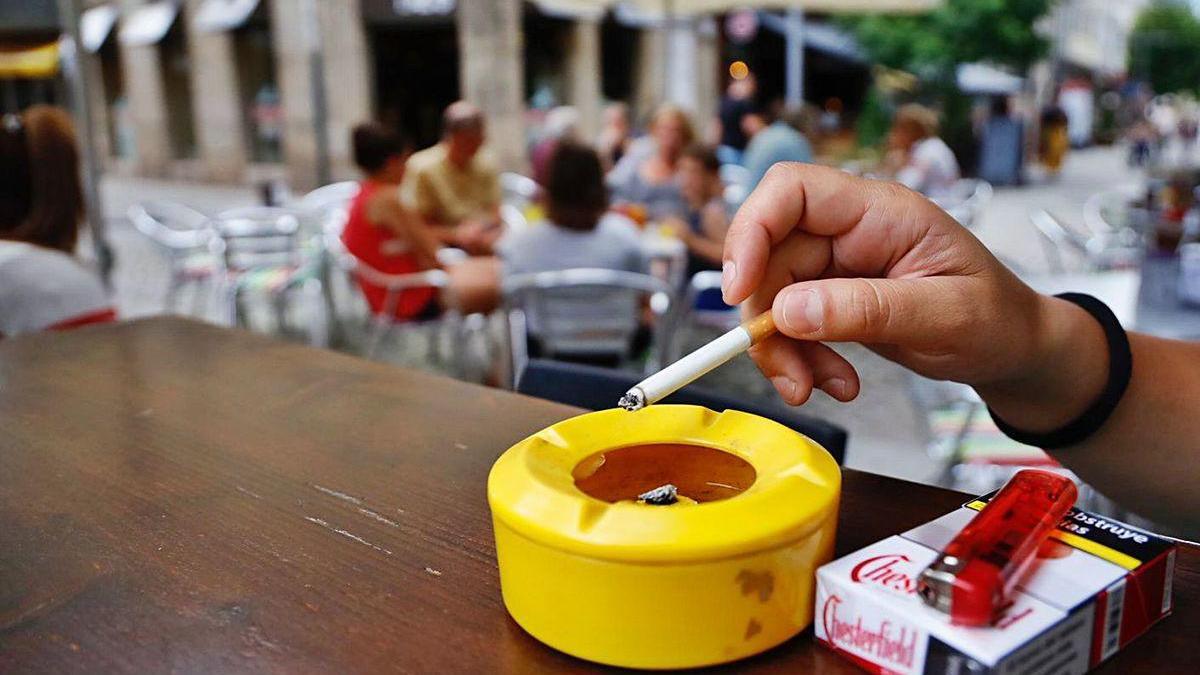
(223, 90)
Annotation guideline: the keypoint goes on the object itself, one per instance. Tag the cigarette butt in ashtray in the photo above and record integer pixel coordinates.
(695, 365)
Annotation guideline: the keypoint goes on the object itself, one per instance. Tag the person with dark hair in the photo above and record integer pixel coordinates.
(578, 230)
(784, 140)
(455, 185)
(42, 286)
(387, 236)
(705, 220)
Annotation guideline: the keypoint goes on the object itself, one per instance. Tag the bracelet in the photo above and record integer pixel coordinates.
(1120, 369)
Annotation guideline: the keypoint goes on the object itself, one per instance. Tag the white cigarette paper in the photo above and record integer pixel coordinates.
(693, 366)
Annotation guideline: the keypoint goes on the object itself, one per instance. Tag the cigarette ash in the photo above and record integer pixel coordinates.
(633, 400)
(663, 495)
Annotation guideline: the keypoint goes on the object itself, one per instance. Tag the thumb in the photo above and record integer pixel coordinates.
(906, 312)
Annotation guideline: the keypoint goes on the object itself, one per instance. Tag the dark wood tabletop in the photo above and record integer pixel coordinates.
(176, 497)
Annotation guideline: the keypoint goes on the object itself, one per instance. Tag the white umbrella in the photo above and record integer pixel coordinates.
(668, 9)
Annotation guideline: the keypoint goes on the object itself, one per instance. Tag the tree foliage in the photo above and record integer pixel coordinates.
(1164, 47)
(932, 44)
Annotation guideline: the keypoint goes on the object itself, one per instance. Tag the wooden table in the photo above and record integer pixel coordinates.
(177, 497)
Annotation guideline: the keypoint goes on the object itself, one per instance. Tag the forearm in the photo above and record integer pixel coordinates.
(1145, 457)
(707, 249)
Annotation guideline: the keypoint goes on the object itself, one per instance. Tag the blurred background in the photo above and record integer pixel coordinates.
(1071, 123)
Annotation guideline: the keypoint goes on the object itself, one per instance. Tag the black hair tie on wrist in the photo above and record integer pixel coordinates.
(1120, 368)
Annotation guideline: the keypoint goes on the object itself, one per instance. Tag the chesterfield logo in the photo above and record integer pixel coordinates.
(882, 570)
(883, 643)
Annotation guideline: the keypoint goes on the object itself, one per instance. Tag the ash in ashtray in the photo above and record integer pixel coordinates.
(660, 496)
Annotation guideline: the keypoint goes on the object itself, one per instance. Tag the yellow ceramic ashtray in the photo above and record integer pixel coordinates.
(724, 572)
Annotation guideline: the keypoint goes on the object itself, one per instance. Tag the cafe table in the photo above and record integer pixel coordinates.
(176, 497)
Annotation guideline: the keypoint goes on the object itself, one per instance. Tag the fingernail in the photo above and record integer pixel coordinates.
(803, 311)
(728, 274)
(786, 387)
(836, 387)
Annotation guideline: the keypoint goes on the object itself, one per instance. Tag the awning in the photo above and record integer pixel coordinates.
(821, 37)
(409, 12)
(148, 24)
(642, 10)
(95, 25)
(215, 16)
(980, 78)
(34, 62)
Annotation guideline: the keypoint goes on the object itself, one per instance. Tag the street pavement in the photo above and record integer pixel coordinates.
(889, 431)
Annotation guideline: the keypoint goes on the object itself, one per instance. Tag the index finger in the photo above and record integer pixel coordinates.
(818, 199)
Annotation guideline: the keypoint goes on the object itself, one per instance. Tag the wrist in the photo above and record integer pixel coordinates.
(1062, 373)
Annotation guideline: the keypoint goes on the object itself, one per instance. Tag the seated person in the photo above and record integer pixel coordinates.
(646, 176)
(455, 185)
(919, 159)
(577, 233)
(381, 232)
(784, 140)
(703, 223)
(42, 285)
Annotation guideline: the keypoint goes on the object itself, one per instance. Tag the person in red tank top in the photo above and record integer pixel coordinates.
(381, 232)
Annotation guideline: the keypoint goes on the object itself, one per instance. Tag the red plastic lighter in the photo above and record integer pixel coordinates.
(974, 576)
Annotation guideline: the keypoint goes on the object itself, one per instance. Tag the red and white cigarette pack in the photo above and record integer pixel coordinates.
(1097, 584)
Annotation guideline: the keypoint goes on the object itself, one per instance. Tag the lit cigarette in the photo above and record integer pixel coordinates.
(693, 366)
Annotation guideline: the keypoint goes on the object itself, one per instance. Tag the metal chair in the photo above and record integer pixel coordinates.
(585, 312)
(736, 179)
(599, 388)
(703, 285)
(182, 234)
(260, 250)
(334, 195)
(1097, 252)
(966, 200)
(381, 323)
(517, 190)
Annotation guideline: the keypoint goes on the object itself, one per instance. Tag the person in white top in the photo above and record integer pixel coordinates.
(921, 160)
(42, 286)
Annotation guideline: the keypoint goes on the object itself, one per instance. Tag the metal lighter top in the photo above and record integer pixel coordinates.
(974, 576)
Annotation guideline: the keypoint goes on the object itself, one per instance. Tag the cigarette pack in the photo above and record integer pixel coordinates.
(1097, 584)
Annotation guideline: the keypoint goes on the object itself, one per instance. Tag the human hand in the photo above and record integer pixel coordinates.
(477, 237)
(838, 258)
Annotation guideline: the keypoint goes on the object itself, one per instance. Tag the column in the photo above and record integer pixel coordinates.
(293, 69)
(583, 75)
(650, 62)
(347, 79)
(97, 108)
(216, 101)
(147, 104)
(490, 46)
(708, 72)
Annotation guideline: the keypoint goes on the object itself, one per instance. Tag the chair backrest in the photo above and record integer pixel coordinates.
(701, 306)
(171, 225)
(966, 200)
(1056, 238)
(355, 268)
(586, 311)
(736, 179)
(334, 195)
(599, 388)
(258, 237)
(517, 190)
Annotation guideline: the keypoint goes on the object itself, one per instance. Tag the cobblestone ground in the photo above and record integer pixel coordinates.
(888, 431)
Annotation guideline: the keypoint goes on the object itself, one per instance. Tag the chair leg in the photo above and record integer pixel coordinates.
(231, 308)
(319, 327)
(379, 328)
(334, 329)
(172, 295)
